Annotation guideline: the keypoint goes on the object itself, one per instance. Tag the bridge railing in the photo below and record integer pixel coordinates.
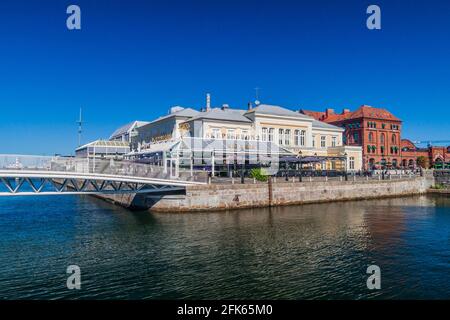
(97, 166)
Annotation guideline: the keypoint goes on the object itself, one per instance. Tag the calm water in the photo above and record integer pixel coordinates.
(303, 252)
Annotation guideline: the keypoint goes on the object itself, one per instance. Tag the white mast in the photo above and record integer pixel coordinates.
(80, 128)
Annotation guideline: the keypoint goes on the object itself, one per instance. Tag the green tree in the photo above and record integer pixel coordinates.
(423, 162)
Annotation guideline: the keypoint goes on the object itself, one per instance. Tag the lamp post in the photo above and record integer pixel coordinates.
(345, 168)
(301, 164)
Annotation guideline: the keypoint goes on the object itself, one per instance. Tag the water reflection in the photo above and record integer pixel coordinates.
(317, 251)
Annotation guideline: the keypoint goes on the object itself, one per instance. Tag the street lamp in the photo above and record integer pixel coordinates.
(345, 170)
(299, 156)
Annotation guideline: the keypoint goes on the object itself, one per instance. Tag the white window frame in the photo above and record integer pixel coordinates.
(271, 134)
(264, 134)
(287, 137)
(280, 136)
(231, 134)
(351, 163)
(323, 141)
(215, 133)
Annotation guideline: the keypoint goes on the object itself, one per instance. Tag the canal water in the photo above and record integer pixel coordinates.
(317, 251)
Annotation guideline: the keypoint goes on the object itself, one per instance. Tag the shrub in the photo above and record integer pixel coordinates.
(259, 174)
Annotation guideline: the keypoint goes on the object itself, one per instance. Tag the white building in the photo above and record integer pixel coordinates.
(293, 133)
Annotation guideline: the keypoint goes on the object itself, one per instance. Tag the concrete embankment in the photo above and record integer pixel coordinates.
(235, 196)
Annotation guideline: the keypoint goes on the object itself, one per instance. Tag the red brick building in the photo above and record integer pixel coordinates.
(379, 133)
(437, 156)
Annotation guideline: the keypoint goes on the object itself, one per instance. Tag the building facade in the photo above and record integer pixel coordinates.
(298, 135)
(376, 130)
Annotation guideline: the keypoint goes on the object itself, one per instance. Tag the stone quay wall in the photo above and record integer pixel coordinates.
(235, 196)
(442, 177)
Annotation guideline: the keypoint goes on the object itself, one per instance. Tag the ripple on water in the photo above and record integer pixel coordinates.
(300, 252)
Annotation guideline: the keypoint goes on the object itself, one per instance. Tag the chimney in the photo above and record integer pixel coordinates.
(249, 106)
(208, 102)
(345, 111)
(329, 112)
(225, 106)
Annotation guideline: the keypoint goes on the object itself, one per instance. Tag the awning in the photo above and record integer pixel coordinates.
(310, 159)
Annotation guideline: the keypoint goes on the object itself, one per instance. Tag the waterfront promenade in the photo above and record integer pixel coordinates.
(278, 192)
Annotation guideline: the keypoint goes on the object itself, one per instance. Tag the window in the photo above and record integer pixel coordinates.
(370, 136)
(230, 134)
(215, 133)
(271, 130)
(323, 141)
(244, 134)
(313, 140)
(264, 134)
(333, 141)
(355, 137)
(280, 136)
(382, 138)
(302, 137)
(352, 163)
(394, 139)
(287, 137)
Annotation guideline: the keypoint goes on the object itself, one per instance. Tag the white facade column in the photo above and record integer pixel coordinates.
(213, 171)
(164, 161)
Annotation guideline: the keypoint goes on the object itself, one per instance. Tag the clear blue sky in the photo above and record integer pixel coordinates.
(134, 59)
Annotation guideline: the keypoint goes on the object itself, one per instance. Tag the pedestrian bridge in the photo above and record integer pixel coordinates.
(36, 175)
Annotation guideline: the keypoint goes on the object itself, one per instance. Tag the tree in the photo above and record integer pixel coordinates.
(423, 162)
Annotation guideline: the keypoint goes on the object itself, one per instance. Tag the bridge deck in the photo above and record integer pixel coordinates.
(56, 183)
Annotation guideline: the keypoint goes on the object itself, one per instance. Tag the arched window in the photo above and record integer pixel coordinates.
(394, 139)
(382, 138)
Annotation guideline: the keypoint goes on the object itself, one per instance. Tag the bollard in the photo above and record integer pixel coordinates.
(310, 179)
(326, 178)
(340, 178)
(254, 180)
(232, 180)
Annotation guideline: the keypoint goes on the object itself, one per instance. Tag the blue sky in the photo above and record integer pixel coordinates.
(134, 59)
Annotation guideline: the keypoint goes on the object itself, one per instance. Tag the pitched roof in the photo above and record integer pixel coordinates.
(105, 143)
(324, 125)
(226, 114)
(277, 111)
(125, 128)
(362, 112)
(314, 114)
